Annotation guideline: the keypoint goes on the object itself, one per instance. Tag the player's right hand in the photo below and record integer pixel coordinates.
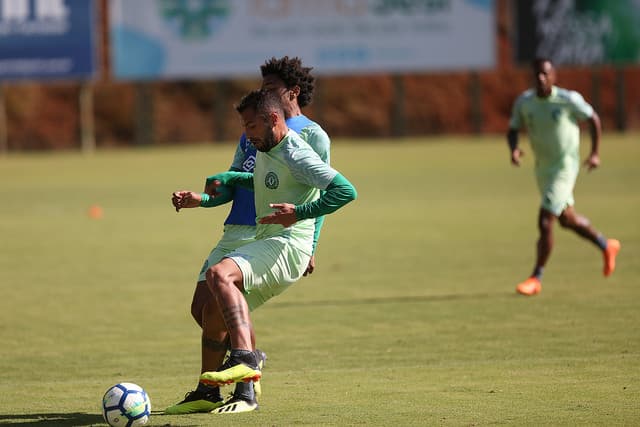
(515, 156)
(310, 267)
(185, 199)
(592, 162)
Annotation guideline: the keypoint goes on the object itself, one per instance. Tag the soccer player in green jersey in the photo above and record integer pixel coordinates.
(287, 182)
(551, 116)
(294, 85)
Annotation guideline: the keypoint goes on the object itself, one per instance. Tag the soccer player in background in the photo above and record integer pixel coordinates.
(292, 186)
(551, 116)
(294, 85)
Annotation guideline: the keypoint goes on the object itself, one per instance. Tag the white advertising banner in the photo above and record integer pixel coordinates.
(230, 38)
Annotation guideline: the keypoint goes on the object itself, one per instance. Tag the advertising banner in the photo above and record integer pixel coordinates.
(47, 39)
(578, 32)
(229, 38)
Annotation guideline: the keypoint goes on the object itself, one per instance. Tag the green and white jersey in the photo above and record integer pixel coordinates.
(316, 137)
(552, 125)
(291, 172)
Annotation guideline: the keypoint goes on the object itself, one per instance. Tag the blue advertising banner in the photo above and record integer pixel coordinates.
(228, 38)
(47, 39)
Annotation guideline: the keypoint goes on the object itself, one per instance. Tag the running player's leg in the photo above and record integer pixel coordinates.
(214, 347)
(581, 225)
(214, 341)
(225, 283)
(206, 398)
(201, 296)
(556, 189)
(545, 241)
(533, 284)
(268, 267)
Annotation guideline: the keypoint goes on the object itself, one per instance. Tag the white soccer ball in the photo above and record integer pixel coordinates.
(126, 405)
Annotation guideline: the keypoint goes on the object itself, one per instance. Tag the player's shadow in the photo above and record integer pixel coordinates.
(409, 299)
(72, 419)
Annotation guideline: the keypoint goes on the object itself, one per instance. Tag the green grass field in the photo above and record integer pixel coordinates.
(411, 317)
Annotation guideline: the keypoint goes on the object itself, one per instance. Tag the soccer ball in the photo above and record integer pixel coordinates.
(126, 405)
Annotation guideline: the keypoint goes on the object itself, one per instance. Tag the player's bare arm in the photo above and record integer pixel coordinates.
(516, 153)
(595, 130)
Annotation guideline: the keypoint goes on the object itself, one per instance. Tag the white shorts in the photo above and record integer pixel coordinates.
(233, 237)
(556, 190)
(269, 266)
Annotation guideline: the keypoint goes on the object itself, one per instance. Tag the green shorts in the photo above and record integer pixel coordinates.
(556, 189)
(269, 266)
(233, 237)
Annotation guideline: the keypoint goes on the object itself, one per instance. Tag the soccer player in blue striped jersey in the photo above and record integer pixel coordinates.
(551, 116)
(294, 85)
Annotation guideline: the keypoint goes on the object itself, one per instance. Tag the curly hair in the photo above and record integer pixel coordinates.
(292, 73)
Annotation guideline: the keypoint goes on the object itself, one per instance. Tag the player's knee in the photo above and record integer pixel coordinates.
(566, 222)
(217, 277)
(544, 225)
(573, 221)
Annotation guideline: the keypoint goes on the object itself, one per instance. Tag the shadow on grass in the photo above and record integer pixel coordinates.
(59, 420)
(408, 299)
(74, 419)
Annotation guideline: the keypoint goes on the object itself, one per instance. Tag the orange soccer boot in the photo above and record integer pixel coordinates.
(529, 287)
(613, 247)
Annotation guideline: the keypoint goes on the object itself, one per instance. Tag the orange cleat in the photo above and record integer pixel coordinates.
(529, 287)
(613, 247)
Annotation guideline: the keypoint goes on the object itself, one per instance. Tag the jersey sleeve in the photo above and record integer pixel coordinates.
(308, 168)
(225, 195)
(319, 140)
(339, 192)
(230, 178)
(580, 108)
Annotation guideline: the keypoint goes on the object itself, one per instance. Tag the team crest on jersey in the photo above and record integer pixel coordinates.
(249, 164)
(271, 180)
(555, 114)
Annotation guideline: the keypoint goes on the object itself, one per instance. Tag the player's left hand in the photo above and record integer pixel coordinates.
(516, 155)
(592, 162)
(284, 215)
(311, 266)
